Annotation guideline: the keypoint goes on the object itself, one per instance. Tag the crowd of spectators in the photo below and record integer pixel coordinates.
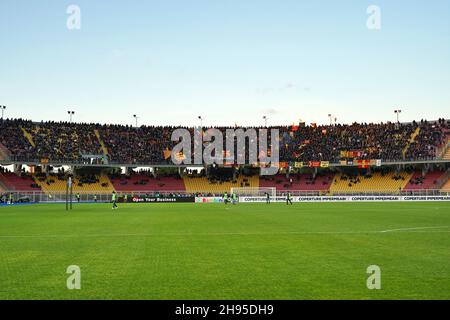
(13, 139)
(63, 141)
(70, 142)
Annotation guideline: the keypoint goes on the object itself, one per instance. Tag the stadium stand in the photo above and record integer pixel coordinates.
(68, 142)
(304, 182)
(377, 182)
(419, 181)
(44, 145)
(142, 182)
(12, 138)
(86, 184)
(62, 141)
(427, 142)
(204, 185)
(22, 182)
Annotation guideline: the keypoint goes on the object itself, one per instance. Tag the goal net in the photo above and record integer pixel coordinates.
(254, 192)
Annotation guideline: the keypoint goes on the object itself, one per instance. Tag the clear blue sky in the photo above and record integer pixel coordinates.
(231, 61)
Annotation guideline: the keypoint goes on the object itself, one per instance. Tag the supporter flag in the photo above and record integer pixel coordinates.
(228, 160)
(180, 156)
(283, 165)
(314, 164)
(226, 154)
(363, 163)
(167, 153)
(294, 127)
(298, 164)
(324, 164)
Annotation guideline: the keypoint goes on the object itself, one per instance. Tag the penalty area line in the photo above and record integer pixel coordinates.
(411, 229)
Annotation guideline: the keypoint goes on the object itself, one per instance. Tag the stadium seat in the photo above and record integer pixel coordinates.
(302, 182)
(54, 185)
(377, 183)
(24, 182)
(138, 182)
(202, 185)
(419, 182)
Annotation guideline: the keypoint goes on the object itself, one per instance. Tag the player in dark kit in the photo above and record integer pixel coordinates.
(289, 198)
(267, 198)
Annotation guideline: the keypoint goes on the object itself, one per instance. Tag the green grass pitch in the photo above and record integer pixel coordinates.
(213, 251)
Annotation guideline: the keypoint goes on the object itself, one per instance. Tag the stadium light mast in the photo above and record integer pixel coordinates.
(201, 121)
(331, 119)
(136, 118)
(71, 113)
(397, 112)
(265, 121)
(3, 110)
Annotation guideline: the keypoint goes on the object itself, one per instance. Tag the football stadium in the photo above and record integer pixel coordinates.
(144, 165)
(380, 198)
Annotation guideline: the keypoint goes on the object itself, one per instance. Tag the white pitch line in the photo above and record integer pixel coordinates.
(416, 228)
(404, 230)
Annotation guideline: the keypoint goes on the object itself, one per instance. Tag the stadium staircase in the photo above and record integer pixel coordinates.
(411, 139)
(53, 185)
(446, 187)
(28, 136)
(102, 144)
(378, 183)
(446, 151)
(203, 185)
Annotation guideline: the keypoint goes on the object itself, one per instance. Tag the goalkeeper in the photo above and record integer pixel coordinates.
(289, 198)
(267, 198)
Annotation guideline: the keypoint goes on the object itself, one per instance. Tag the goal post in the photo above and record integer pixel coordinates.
(254, 192)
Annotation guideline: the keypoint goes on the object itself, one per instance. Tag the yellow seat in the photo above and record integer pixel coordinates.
(377, 183)
(59, 186)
